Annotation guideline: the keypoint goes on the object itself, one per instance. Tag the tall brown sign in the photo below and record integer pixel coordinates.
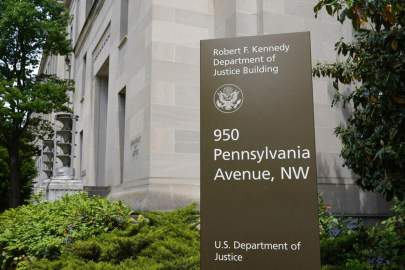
(258, 168)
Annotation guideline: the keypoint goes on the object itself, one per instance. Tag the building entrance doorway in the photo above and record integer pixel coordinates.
(100, 131)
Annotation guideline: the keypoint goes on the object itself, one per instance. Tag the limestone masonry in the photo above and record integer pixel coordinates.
(136, 67)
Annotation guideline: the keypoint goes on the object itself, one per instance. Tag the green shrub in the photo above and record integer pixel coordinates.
(93, 234)
(327, 222)
(41, 230)
(155, 241)
(336, 250)
(379, 247)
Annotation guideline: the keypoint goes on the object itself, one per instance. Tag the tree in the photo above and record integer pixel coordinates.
(28, 28)
(27, 173)
(373, 64)
(3, 178)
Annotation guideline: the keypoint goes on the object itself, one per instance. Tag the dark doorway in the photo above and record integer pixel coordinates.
(100, 132)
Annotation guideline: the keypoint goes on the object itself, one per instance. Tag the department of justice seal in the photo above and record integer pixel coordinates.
(228, 98)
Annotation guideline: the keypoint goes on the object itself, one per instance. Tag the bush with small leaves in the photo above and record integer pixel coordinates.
(155, 241)
(41, 230)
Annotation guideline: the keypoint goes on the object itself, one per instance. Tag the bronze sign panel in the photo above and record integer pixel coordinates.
(258, 170)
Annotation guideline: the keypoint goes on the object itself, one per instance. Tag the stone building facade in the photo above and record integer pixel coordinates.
(136, 69)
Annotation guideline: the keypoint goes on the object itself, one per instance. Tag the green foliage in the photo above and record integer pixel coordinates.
(85, 233)
(154, 241)
(337, 236)
(42, 229)
(354, 246)
(327, 221)
(3, 178)
(27, 171)
(28, 29)
(374, 65)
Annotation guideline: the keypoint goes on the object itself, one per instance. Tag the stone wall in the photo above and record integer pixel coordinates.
(158, 65)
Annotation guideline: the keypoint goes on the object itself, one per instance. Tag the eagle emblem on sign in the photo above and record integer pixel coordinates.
(228, 98)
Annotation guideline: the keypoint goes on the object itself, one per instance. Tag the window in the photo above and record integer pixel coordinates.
(83, 90)
(121, 129)
(124, 19)
(100, 122)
